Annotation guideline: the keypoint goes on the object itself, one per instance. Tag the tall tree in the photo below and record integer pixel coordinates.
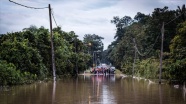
(121, 23)
(182, 12)
(177, 60)
(96, 47)
(153, 30)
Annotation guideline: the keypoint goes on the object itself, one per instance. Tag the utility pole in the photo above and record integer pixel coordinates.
(134, 57)
(161, 53)
(76, 67)
(96, 59)
(93, 60)
(52, 45)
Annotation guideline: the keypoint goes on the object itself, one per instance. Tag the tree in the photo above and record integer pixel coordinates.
(121, 23)
(160, 15)
(146, 30)
(69, 51)
(177, 66)
(39, 39)
(115, 51)
(16, 50)
(182, 12)
(141, 18)
(96, 47)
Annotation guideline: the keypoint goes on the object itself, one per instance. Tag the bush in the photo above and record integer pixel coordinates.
(8, 74)
(148, 68)
(177, 70)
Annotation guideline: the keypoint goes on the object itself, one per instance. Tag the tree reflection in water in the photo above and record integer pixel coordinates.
(54, 92)
(160, 94)
(184, 91)
(100, 87)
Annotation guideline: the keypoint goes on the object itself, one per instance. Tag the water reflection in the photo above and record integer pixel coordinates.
(27, 94)
(160, 94)
(101, 89)
(184, 91)
(54, 92)
(94, 89)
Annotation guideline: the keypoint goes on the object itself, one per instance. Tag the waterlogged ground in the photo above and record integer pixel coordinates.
(94, 89)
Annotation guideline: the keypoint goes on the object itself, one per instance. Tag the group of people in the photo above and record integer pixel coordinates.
(102, 70)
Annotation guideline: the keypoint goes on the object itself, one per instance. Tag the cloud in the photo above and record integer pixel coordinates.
(81, 16)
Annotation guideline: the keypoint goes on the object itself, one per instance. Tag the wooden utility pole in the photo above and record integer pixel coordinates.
(93, 60)
(134, 57)
(52, 45)
(161, 54)
(76, 67)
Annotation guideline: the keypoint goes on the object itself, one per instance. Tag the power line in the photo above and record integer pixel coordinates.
(174, 19)
(148, 51)
(35, 8)
(155, 40)
(54, 18)
(52, 46)
(27, 6)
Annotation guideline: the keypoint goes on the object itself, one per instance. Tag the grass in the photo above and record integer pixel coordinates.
(118, 71)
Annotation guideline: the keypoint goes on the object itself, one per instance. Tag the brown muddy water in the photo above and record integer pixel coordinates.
(94, 89)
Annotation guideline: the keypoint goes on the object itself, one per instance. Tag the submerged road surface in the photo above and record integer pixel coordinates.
(94, 89)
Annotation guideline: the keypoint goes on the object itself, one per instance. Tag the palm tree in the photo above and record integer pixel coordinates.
(182, 12)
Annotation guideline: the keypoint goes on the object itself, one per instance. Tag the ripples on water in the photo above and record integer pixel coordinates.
(94, 89)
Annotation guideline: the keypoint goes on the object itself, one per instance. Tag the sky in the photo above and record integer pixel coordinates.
(81, 16)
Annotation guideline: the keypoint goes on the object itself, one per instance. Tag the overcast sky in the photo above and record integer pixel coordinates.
(81, 16)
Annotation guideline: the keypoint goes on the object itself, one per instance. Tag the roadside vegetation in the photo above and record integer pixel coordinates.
(144, 32)
(25, 56)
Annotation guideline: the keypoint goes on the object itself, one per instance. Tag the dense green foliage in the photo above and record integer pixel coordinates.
(176, 64)
(10, 75)
(94, 46)
(26, 56)
(144, 32)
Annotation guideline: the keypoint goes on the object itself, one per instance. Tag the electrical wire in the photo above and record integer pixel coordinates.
(27, 6)
(35, 8)
(54, 17)
(174, 19)
(135, 46)
(155, 40)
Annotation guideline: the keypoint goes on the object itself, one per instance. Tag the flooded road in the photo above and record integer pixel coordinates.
(94, 89)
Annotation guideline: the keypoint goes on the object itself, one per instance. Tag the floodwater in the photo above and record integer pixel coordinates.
(94, 89)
